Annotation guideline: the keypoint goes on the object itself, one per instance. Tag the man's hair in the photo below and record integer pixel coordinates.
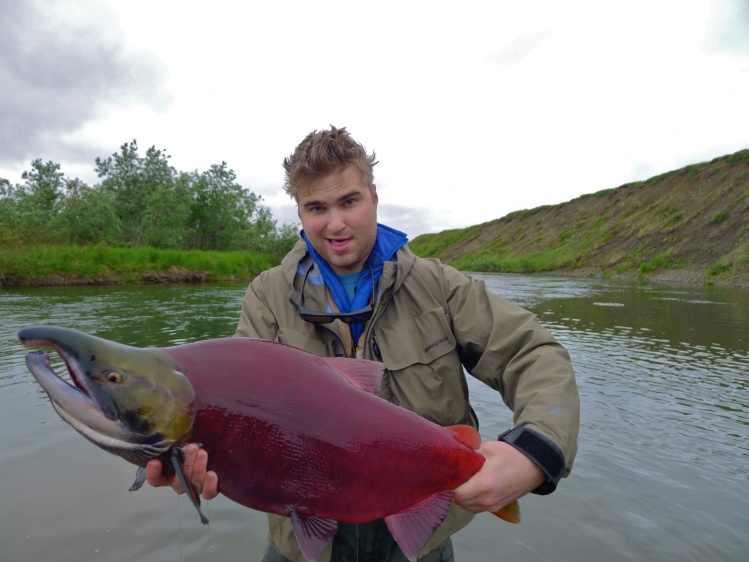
(322, 153)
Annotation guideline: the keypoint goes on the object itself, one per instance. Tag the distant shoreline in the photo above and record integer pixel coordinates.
(690, 277)
(181, 276)
(145, 278)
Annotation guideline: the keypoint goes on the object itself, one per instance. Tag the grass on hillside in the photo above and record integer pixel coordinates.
(692, 219)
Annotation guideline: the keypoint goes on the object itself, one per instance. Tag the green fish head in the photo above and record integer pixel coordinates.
(133, 402)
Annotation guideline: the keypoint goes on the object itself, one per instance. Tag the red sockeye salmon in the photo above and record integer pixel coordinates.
(287, 432)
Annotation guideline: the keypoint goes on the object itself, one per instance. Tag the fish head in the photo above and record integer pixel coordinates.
(133, 402)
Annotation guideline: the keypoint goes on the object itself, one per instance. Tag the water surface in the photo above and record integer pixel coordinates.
(662, 472)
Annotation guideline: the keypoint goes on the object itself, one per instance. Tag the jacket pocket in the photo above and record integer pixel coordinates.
(418, 340)
(423, 371)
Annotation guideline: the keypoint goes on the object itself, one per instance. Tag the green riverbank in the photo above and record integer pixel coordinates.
(89, 265)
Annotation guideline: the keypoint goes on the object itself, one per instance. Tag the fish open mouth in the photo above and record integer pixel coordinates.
(81, 404)
(40, 366)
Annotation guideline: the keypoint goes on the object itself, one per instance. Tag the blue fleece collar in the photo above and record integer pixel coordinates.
(387, 243)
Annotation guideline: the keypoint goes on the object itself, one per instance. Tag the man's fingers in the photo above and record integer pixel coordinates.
(468, 495)
(155, 475)
(199, 468)
(210, 485)
(195, 469)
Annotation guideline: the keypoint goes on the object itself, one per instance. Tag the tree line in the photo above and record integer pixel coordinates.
(139, 201)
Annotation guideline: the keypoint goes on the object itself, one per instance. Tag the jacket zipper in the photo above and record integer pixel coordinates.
(370, 342)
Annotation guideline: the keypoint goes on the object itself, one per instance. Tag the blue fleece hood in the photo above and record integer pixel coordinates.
(387, 243)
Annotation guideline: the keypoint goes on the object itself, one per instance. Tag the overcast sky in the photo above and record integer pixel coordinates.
(475, 109)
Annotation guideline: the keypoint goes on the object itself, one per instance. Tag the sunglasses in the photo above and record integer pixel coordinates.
(317, 317)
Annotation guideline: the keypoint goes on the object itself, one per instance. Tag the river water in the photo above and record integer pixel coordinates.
(662, 473)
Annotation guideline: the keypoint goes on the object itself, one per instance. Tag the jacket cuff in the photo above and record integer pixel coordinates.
(542, 451)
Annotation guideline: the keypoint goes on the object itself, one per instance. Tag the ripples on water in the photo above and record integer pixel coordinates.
(663, 463)
(662, 472)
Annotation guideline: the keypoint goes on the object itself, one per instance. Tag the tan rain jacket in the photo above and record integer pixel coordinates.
(430, 322)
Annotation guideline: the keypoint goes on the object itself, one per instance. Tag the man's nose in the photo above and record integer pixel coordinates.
(336, 222)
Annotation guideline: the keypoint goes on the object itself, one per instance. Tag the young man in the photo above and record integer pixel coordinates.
(352, 287)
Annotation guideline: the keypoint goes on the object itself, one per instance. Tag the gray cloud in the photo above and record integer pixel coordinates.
(58, 74)
(407, 219)
(284, 214)
(728, 28)
(519, 49)
(642, 171)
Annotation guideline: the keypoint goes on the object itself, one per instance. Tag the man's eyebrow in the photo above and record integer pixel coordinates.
(344, 197)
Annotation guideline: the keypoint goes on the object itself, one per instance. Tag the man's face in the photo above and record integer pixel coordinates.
(339, 216)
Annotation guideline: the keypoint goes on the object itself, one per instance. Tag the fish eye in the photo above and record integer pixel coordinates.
(114, 377)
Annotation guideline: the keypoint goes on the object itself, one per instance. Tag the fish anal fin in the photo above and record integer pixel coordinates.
(412, 528)
(363, 374)
(313, 534)
(140, 479)
(466, 435)
(509, 513)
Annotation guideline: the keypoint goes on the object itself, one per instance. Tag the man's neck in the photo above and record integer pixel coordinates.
(348, 281)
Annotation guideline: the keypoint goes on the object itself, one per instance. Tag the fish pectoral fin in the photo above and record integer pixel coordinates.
(313, 534)
(140, 479)
(363, 374)
(412, 528)
(176, 458)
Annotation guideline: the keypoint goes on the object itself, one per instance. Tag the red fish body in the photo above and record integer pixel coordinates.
(287, 431)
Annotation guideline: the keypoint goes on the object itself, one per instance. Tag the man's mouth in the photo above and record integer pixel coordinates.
(338, 245)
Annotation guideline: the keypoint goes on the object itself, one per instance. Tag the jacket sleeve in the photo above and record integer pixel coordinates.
(505, 346)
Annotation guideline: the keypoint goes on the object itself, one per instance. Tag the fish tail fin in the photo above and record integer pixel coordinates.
(509, 513)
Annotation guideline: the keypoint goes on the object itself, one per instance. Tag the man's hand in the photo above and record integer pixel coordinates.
(506, 475)
(196, 471)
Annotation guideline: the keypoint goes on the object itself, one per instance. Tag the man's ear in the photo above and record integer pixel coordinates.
(375, 198)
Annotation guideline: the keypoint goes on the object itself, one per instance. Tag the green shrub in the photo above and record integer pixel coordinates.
(718, 269)
(659, 261)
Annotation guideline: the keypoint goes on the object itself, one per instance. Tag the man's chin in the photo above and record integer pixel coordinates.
(343, 265)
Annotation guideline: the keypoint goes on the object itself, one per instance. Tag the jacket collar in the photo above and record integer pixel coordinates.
(388, 242)
(386, 245)
(290, 262)
(404, 257)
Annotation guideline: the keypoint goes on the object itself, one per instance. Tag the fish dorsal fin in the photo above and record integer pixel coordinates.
(412, 528)
(176, 458)
(466, 435)
(140, 479)
(364, 375)
(313, 534)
